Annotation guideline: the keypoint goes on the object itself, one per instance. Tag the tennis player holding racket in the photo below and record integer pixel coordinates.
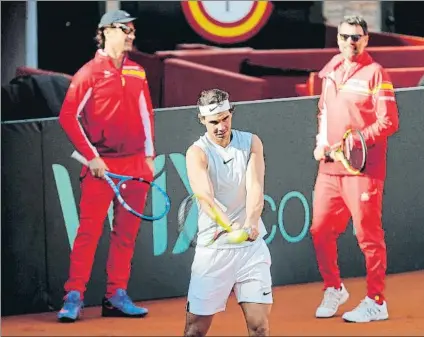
(107, 115)
(357, 94)
(227, 165)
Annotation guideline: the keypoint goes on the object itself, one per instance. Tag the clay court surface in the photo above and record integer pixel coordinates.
(292, 315)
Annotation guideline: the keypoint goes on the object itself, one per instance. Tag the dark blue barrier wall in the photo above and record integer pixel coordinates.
(40, 194)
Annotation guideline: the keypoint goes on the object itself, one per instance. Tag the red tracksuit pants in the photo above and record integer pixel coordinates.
(336, 199)
(96, 197)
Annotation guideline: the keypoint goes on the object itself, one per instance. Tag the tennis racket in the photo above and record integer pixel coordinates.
(223, 229)
(352, 154)
(126, 182)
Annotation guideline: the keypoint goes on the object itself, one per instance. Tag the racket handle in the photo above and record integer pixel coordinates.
(327, 157)
(79, 157)
(223, 208)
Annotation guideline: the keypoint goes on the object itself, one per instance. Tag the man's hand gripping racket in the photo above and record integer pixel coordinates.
(232, 231)
(122, 184)
(351, 152)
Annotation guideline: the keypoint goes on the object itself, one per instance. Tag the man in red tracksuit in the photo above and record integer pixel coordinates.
(107, 114)
(357, 93)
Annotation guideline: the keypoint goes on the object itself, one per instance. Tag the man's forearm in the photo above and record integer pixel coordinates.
(379, 130)
(75, 133)
(254, 204)
(207, 201)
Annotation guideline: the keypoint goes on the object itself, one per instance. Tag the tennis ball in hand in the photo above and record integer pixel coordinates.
(237, 236)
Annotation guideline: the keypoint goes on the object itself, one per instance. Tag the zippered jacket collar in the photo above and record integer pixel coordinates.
(364, 59)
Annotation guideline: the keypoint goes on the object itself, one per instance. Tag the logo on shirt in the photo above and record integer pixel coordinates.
(107, 73)
(227, 161)
(357, 82)
(134, 73)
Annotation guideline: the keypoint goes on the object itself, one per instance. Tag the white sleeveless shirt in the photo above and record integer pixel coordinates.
(227, 172)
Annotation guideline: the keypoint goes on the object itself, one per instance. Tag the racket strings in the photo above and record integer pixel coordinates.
(184, 225)
(348, 146)
(354, 153)
(187, 224)
(131, 192)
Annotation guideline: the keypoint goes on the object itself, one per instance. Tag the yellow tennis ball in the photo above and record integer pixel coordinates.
(237, 236)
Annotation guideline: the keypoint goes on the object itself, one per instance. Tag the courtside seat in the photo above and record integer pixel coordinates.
(315, 59)
(24, 71)
(312, 60)
(195, 46)
(302, 89)
(377, 39)
(401, 78)
(183, 81)
(227, 59)
(406, 77)
(154, 72)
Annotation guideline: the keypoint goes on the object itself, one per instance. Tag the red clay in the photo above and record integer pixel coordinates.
(292, 315)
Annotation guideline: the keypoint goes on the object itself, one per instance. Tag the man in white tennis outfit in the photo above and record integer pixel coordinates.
(227, 168)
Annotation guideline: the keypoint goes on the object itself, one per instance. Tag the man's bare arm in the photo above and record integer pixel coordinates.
(255, 177)
(200, 183)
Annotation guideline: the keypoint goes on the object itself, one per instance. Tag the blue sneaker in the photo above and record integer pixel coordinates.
(72, 307)
(121, 305)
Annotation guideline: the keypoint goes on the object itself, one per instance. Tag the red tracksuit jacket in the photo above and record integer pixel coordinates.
(107, 112)
(361, 98)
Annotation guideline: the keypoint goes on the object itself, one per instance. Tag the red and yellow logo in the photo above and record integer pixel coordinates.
(227, 21)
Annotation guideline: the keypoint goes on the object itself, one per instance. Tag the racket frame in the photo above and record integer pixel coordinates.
(109, 176)
(340, 156)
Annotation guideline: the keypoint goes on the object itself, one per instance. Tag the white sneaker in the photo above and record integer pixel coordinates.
(368, 310)
(333, 298)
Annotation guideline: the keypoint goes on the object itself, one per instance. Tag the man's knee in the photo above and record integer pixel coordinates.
(197, 326)
(193, 330)
(327, 227)
(258, 326)
(89, 230)
(370, 239)
(320, 229)
(368, 228)
(256, 316)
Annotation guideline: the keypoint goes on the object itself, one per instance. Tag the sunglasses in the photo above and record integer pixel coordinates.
(354, 37)
(127, 30)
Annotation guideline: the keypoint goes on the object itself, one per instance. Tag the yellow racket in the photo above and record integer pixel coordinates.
(353, 157)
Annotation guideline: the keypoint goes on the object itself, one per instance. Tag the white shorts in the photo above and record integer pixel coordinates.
(216, 272)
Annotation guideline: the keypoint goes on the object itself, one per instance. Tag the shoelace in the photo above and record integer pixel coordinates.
(330, 299)
(125, 300)
(72, 299)
(71, 302)
(367, 308)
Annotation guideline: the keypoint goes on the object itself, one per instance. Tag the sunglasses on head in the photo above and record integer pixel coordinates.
(354, 37)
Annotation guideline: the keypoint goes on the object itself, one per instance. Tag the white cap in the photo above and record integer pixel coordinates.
(216, 108)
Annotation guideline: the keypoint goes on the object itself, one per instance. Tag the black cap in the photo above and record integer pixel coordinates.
(118, 16)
